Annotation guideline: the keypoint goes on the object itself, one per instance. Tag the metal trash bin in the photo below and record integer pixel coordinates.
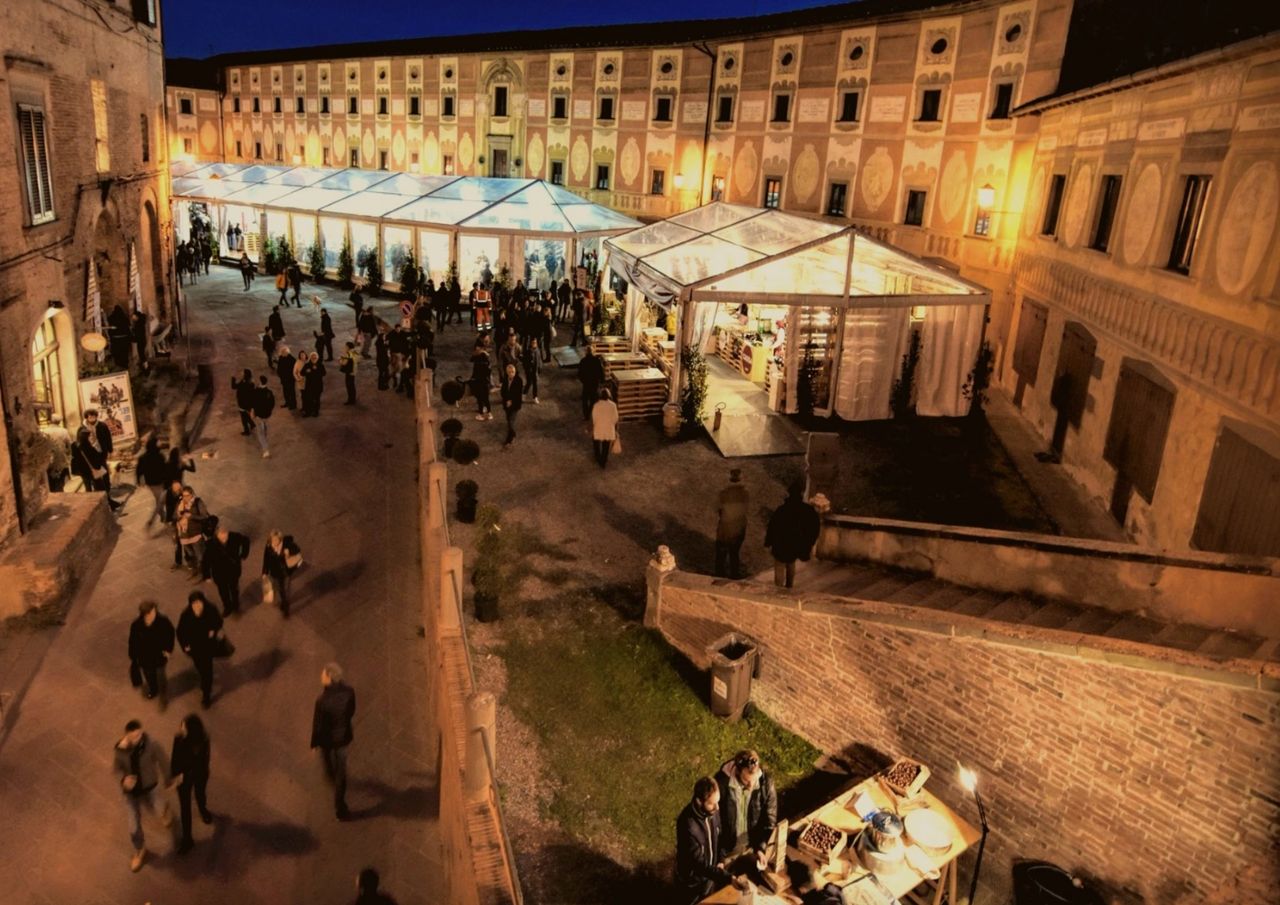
(734, 660)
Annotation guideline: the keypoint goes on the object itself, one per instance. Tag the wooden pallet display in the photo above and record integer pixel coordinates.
(639, 393)
(605, 344)
(624, 361)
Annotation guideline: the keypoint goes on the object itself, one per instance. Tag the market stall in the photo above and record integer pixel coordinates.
(477, 223)
(812, 312)
(883, 840)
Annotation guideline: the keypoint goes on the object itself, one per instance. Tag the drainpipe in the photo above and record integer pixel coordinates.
(706, 127)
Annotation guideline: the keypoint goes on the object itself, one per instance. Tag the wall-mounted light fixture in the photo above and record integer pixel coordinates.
(986, 201)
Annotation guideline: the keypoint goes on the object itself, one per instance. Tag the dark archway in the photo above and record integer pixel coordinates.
(110, 260)
(150, 262)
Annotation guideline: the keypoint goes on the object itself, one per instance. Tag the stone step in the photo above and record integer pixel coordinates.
(978, 603)
(1182, 637)
(1133, 627)
(1054, 614)
(1093, 621)
(915, 593)
(1230, 645)
(1014, 609)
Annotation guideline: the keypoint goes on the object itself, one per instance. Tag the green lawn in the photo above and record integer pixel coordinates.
(624, 731)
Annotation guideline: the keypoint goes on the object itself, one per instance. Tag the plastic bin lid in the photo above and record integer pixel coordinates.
(730, 649)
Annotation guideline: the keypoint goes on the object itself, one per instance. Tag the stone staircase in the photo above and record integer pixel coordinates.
(868, 582)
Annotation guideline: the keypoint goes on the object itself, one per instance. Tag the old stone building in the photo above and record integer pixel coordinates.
(1044, 148)
(85, 189)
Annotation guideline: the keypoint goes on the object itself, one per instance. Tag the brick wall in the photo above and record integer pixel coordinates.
(1131, 768)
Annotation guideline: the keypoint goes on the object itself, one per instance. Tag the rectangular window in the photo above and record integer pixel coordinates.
(382, 105)
(239, 152)
(275, 105)
(257, 105)
(235, 105)
(257, 150)
(1108, 199)
(606, 108)
(279, 151)
(1190, 215)
(98, 89)
(557, 172)
(184, 106)
(559, 107)
(773, 191)
(658, 182)
(930, 105)
(324, 105)
(146, 139)
(782, 108)
(662, 110)
(1003, 101)
(1053, 205)
(382, 160)
(717, 188)
(415, 105)
(447, 108)
(186, 146)
(353, 104)
(500, 100)
(144, 11)
(849, 107)
(836, 199)
(448, 165)
(724, 109)
(300, 105)
(602, 177)
(355, 157)
(914, 215)
(35, 163)
(324, 156)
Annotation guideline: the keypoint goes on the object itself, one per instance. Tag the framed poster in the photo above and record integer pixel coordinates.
(112, 396)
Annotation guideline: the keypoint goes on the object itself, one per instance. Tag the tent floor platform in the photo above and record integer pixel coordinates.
(748, 427)
(566, 356)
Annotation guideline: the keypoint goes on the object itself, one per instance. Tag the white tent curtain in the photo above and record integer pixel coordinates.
(135, 284)
(949, 345)
(654, 290)
(875, 340)
(93, 298)
(634, 303)
(704, 321)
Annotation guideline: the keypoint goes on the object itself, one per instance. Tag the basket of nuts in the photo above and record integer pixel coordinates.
(906, 777)
(821, 841)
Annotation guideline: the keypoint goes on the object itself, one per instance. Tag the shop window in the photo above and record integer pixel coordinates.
(48, 374)
(1053, 205)
(602, 177)
(849, 106)
(355, 157)
(930, 105)
(299, 105)
(447, 105)
(657, 182)
(1190, 216)
(382, 160)
(557, 172)
(447, 167)
(324, 105)
(1108, 199)
(500, 100)
(415, 105)
(914, 215)
(353, 105)
(184, 106)
(235, 105)
(837, 197)
(782, 108)
(773, 191)
(1003, 101)
(257, 105)
(275, 105)
(146, 139)
(606, 108)
(559, 107)
(724, 109)
(662, 110)
(35, 163)
(717, 188)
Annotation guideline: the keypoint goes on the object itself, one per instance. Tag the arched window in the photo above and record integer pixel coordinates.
(48, 373)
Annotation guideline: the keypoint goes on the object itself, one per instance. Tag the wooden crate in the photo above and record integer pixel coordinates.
(639, 393)
(602, 345)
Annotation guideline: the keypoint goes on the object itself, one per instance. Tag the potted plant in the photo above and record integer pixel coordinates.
(346, 266)
(450, 429)
(466, 452)
(452, 392)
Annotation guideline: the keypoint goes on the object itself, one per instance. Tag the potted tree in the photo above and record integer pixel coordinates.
(450, 429)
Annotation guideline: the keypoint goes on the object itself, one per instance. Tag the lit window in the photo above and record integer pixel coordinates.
(837, 198)
(35, 161)
(1053, 206)
(658, 182)
(773, 192)
(914, 215)
(717, 188)
(1108, 199)
(448, 165)
(1190, 216)
(557, 172)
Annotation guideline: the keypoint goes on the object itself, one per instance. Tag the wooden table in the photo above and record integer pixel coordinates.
(904, 882)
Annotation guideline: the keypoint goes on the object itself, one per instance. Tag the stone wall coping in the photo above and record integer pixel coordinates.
(1070, 546)
(1239, 672)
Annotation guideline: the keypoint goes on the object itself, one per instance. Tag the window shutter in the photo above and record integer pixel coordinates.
(26, 128)
(35, 159)
(42, 165)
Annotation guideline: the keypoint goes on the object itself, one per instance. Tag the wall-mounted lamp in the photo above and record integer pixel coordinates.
(986, 201)
(987, 196)
(679, 180)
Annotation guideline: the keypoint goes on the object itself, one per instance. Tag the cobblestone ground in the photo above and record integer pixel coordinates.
(343, 484)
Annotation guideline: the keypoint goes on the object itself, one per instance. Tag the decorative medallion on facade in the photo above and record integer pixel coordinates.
(609, 66)
(939, 46)
(666, 68)
(745, 168)
(856, 54)
(1247, 226)
(877, 178)
(1014, 29)
(466, 151)
(629, 164)
(806, 174)
(1140, 219)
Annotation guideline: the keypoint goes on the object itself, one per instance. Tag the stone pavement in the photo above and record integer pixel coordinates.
(343, 485)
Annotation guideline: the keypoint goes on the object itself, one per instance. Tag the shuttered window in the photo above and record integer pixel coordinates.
(35, 162)
(1139, 427)
(1240, 507)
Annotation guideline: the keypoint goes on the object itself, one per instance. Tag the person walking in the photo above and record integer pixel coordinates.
(564, 299)
(280, 559)
(312, 385)
(367, 325)
(512, 399)
(275, 324)
(269, 347)
(223, 556)
(295, 280)
(150, 469)
(604, 427)
(285, 363)
(245, 389)
(324, 339)
(591, 374)
(189, 767)
(579, 318)
(92, 448)
(140, 334)
(198, 629)
(481, 374)
(532, 368)
(246, 270)
(509, 355)
(264, 403)
(367, 889)
(150, 647)
(331, 731)
(793, 530)
(143, 774)
(382, 357)
(282, 283)
(731, 525)
(347, 365)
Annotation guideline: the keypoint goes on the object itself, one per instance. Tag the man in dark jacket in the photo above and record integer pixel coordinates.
(222, 562)
(331, 731)
(198, 629)
(792, 532)
(275, 325)
(748, 807)
(324, 339)
(564, 297)
(731, 525)
(591, 373)
(150, 646)
(285, 364)
(245, 390)
(295, 280)
(93, 446)
(143, 771)
(699, 871)
(264, 403)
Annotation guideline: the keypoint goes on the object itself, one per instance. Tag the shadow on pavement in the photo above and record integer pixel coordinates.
(413, 803)
(257, 668)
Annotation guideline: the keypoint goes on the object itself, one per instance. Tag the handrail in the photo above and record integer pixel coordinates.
(496, 801)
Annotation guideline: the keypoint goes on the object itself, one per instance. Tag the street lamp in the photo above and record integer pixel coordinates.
(969, 780)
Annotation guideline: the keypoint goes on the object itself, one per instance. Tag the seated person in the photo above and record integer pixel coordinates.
(748, 807)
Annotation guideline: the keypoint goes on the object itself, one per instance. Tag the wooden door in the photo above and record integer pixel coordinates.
(1071, 385)
(1240, 506)
(1026, 351)
(498, 166)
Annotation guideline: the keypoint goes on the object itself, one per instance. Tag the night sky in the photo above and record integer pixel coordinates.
(199, 28)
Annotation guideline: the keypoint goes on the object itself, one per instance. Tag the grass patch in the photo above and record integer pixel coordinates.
(624, 731)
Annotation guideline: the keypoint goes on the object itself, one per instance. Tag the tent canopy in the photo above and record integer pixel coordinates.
(463, 202)
(727, 252)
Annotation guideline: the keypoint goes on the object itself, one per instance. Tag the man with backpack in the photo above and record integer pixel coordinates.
(264, 403)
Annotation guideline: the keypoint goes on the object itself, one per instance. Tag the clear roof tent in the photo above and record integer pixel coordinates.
(299, 176)
(259, 172)
(725, 252)
(352, 180)
(259, 193)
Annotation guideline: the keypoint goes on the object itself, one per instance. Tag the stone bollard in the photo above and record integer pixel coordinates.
(662, 563)
(482, 713)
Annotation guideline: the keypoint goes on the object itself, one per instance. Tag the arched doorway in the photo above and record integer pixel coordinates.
(111, 264)
(150, 262)
(55, 369)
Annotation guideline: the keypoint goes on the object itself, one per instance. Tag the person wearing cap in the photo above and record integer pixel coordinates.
(748, 807)
(731, 525)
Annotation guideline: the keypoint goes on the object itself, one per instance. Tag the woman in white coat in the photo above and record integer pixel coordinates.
(604, 426)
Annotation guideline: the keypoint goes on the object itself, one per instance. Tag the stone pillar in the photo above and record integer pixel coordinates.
(660, 566)
(482, 713)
